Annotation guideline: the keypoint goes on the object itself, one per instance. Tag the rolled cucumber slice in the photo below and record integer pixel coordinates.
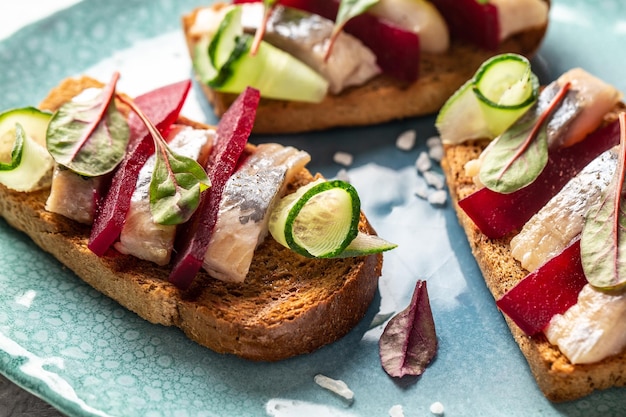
(224, 63)
(321, 220)
(25, 164)
(502, 89)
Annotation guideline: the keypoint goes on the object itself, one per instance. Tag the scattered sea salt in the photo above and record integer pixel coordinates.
(438, 197)
(396, 411)
(423, 163)
(421, 190)
(406, 140)
(436, 153)
(434, 179)
(436, 408)
(335, 385)
(433, 141)
(343, 158)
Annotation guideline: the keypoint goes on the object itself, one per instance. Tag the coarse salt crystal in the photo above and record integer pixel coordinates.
(396, 411)
(342, 175)
(434, 179)
(421, 190)
(438, 197)
(436, 153)
(436, 408)
(335, 385)
(343, 158)
(406, 140)
(433, 141)
(423, 163)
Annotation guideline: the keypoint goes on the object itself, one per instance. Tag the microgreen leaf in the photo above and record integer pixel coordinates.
(409, 342)
(89, 136)
(517, 157)
(177, 181)
(268, 6)
(16, 151)
(347, 10)
(602, 251)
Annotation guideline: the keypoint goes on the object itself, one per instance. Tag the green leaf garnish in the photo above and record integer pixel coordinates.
(602, 252)
(177, 181)
(16, 151)
(89, 136)
(517, 157)
(347, 10)
(269, 6)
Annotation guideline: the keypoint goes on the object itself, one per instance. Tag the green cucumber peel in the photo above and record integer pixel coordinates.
(517, 157)
(16, 151)
(177, 181)
(603, 237)
(89, 136)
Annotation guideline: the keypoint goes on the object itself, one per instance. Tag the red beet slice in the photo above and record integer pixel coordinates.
(497, 214)
(194, 236)
(551, 289)
(162, 106)
(397, 50)
(471, 21)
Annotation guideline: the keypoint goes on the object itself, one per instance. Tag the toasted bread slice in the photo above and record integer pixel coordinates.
(382, 99)
(556, 376)
(288, 304)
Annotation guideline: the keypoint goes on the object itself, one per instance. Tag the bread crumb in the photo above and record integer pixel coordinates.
(436, 408)
(343, 158)
(396, 411)
(406, 140)
(335, 385)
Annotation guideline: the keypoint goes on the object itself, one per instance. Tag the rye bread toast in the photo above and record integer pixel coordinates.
(556, 376)
(288, 304)
(383, 98)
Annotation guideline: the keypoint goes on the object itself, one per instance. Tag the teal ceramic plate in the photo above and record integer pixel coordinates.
(87, 356)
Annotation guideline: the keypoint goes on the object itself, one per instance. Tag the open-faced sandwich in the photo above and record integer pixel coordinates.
(189, 225)
(326, 63)
(537, 179)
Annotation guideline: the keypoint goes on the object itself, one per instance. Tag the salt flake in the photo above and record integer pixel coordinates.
(406, 140)
(434, 179)
(437, 408)
(396, 411)
(335, 385)
(438, 197)
(343, 158)
(423, 163)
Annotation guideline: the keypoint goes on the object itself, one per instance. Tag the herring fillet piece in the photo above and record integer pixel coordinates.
(141, 237)
(306, 36)
(243, 216)
(556, 225)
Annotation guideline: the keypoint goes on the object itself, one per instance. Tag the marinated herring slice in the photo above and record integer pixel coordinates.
(306, 37)
(560, 221)
(245, 207)
(141, 236)
(73, 196)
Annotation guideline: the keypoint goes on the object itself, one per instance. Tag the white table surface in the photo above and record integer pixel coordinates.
(14, 401)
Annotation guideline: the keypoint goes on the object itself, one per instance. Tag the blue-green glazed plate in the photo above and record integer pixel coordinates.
(87, 356)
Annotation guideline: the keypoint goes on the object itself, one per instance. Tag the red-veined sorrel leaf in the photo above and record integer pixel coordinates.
(260, 32)
(88, 134)
(517, 157)
(602, 251)
(409, 341)
(177, 181)
(347, 10)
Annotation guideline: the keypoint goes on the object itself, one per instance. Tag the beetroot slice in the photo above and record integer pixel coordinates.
(194, 236)
(162, 106)
(497, 214)
(551, 289)
(397, 50)
(471, 21)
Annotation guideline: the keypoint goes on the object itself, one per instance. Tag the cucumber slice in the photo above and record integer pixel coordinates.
(503, 88)
(321, 220)
(224, 63)
(25, 164)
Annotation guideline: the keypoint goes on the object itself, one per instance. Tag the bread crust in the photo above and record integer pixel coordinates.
(288, 305)
(382, 99)
(556, 376)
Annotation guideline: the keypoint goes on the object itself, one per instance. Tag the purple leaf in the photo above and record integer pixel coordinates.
(409, 342)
